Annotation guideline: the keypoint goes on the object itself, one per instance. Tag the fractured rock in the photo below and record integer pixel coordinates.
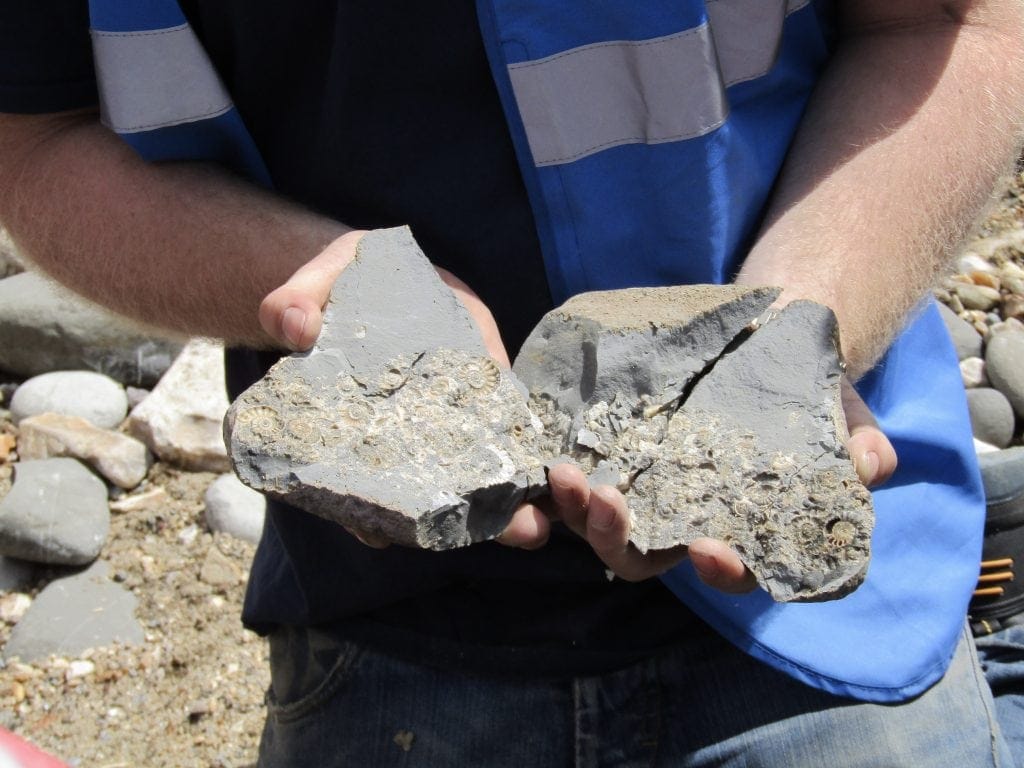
(755, 457)
(181, 418)
(395, 424)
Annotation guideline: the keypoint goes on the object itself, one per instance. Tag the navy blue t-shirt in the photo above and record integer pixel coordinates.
(380, 114)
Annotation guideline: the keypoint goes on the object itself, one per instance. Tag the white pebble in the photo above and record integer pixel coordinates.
(972, 371)
(79, 668)
(13, 606)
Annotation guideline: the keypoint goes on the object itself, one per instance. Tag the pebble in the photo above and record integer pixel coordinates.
(73, 614)
(966, 339)
(988, 279)
(972, 371)
(218, 570)
(91, 396)
(234, 508)
(1013, 306)
(181, 419)
(79, 668)
(56, 513)
(991, 416)
(121, 459)
(146, 499)
(977, 296)
(972, 262)
(13, 606)
(1004, 363)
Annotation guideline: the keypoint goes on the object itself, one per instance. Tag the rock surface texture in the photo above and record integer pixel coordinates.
(397, 424)
(401, 426)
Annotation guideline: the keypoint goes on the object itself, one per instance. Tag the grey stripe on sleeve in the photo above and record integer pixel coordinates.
(587, 99)
(747, 35)
(597, 96)
(155, 78)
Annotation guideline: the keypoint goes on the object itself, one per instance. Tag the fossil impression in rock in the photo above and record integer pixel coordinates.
(398, 424)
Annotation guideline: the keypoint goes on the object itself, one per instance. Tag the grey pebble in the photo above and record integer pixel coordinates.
(73, 614)
(991, 416)
(966, 340)
(56, 512)
(1004, 363)
(234, 508)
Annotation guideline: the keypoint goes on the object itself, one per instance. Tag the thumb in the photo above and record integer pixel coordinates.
(293, 313)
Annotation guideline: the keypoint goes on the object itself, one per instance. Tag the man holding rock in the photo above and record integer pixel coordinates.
(539, 151)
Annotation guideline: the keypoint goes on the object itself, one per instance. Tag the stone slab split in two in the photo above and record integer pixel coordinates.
(398, 424)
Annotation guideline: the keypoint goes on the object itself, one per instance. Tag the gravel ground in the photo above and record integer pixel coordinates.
(192, 694)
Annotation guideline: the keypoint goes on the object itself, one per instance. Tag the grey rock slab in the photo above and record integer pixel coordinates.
(235, 508)
(754, 456)
(44, 327)
(1004, 364)
(992, 419)
(966, 339)
(73, 614)
(121, 459)
(633, 342)
(396, 423)
(180, 421)
(56, 512)
(92, 396)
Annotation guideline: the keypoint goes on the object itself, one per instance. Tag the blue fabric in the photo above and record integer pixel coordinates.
(134, 15)
(670, 213)
(224, 139)
(894, 636)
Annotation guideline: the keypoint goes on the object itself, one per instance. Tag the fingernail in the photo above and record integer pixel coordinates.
(292, 324)
(706, 565)
(868, 468)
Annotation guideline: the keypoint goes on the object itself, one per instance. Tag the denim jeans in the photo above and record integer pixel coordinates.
(1002, 659)
(337, 703)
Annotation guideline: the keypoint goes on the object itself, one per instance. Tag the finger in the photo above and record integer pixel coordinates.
(720, 567)
(570, 495)
(873, 456)
(373, 540)
(292, 314)
(529, 528)
(608, 534)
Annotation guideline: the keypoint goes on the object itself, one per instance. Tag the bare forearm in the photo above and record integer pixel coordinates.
(905, 138)
(181, 245)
